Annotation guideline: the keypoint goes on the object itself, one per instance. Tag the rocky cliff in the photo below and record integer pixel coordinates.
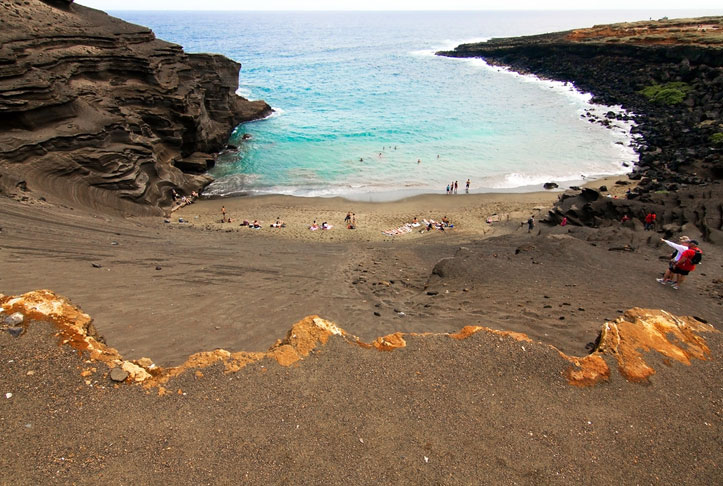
(98, 112)
(668, 74)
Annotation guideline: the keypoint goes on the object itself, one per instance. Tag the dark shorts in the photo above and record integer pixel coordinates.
(680, 272)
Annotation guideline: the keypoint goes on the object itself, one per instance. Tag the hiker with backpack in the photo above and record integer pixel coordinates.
(683, 261)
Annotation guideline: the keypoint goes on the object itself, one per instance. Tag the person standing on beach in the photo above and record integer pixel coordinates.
(348, 217)
(466, 187)
(223, 214)
(456, 186)
(447, 188)
(530, 224)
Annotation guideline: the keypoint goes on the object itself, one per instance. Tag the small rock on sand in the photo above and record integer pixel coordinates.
(118, 374)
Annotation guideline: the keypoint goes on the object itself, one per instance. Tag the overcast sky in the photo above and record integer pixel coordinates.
(400, 4)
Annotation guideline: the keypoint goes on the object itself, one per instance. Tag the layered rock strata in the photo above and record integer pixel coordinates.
(98, 112)
(669, 74)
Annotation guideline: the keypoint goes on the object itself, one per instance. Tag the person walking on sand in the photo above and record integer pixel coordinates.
(348, 217)
(530, 224)
(223, 214)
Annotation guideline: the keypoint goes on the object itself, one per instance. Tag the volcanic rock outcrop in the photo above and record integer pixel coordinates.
(97, 111)
(624, 340)
(669, 75)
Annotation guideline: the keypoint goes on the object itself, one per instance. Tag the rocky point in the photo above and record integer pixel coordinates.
(98, 112)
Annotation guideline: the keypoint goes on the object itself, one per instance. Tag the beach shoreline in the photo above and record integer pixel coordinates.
(472, 215)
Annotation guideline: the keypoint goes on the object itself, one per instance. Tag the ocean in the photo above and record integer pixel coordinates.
(365, 110)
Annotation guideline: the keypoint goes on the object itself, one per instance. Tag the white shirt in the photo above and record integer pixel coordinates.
(680, 248)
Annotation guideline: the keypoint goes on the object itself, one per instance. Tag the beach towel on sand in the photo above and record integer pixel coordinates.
(398, 231)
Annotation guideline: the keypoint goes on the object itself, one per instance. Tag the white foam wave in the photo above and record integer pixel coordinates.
(445, 45)
(244, 92)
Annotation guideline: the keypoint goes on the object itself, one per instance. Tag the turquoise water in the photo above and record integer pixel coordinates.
(363, 108)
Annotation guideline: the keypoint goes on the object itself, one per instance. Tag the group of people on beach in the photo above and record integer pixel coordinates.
(255, 224)
(350, 220)
(453, 187)
(180, 201)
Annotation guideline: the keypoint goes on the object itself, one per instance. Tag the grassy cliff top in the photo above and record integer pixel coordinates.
(703, 31)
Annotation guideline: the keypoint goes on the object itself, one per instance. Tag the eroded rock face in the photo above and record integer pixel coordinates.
(98, 111)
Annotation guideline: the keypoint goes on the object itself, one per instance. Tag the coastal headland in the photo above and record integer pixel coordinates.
(99, 113)
(189, 350)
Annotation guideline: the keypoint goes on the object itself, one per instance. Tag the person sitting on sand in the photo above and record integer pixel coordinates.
(256, 224)
(278, 223)
(325, 225)
(314, 226)
(415, 220)
(245, 222)
(445, 221)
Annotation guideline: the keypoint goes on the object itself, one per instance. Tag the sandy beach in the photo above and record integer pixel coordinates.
(167, 290)
(471, 215)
